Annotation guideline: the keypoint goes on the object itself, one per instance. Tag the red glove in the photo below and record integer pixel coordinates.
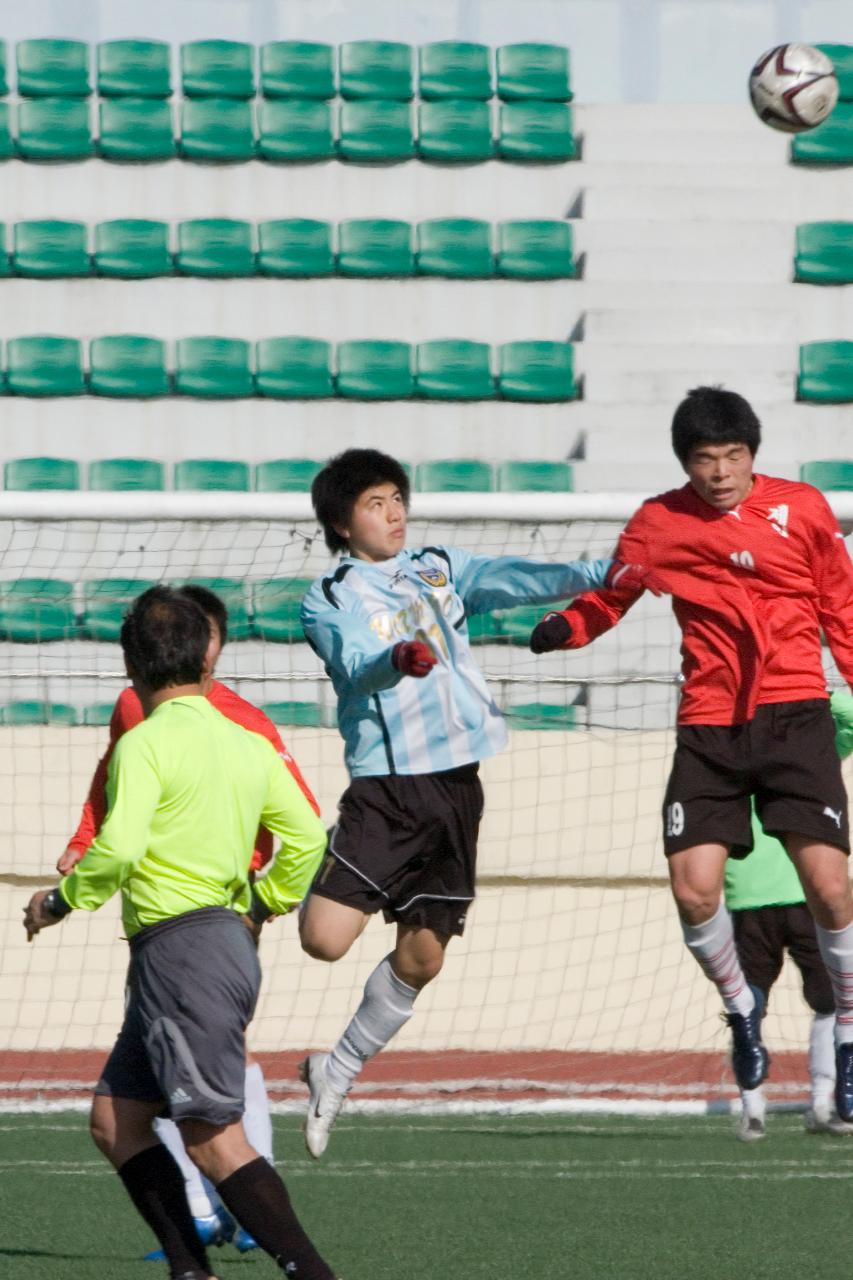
(631, 577)
(413, 658)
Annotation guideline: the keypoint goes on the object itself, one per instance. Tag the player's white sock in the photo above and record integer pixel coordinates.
(822, 1061)
(713, 945)
(386, 1006)
(257, 1123)
(754, 1103)
(836, 948)
(201, 1194)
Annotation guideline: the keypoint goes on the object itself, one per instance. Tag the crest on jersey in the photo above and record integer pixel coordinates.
(778, 517)
(433, 577)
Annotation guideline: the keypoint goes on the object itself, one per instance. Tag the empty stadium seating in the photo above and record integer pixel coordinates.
(533, 71)
(454, 69)
(44, 366)
(54, 129)
(128, 366)
(824, 253)
(296, 130)
(297, 69)
(105, 602)
(299, 247)
(829, 474)
(126, 474)
(294, 369)
(46, 249)
(841, 56)
(134, 69)
(375, 247)
(41, 473)
(375, 370)
(217, 69)
(53, 69)
(826, 372)
(213, 367)
(830, 143)
(212, 473)
(215, 247)
(376, 69)
(132, 248)
(136, 129)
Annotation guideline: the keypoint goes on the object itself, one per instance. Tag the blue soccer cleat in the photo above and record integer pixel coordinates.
(844, 1081)
(243, 1241)
(750, 1059)
(214, 1229)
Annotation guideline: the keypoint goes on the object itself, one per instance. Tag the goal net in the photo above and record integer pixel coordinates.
(571, 986)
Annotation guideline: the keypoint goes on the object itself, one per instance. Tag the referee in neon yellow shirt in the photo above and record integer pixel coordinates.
(186, 792)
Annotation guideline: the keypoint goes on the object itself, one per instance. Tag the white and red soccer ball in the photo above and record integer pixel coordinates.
(793, 87)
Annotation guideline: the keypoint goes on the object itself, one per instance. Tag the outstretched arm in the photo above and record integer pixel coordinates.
(487, 582)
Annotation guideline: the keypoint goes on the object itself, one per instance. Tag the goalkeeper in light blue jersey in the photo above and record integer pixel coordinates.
(416, 715)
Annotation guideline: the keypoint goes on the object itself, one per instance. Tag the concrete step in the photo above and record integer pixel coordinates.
(665, 387)
(699, 324)
(664, 118)
(594, 235)
(774, 203)
(760, 147)
(641, 432)
(671, 357)
(700, 265)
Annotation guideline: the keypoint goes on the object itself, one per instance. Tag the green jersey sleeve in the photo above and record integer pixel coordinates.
(288, 815)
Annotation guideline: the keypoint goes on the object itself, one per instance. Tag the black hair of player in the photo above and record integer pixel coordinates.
(209, 602)
(164, 637)
(712, 415)
(343, 480)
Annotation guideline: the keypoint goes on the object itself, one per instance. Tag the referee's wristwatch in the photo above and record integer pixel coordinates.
(56, 906)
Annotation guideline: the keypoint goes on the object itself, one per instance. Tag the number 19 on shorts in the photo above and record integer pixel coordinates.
(674, 819)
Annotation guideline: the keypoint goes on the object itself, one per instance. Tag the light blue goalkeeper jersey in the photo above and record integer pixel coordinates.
(355, 616)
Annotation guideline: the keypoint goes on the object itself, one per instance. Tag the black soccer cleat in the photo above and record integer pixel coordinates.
(750, 1059)
(844, 1081)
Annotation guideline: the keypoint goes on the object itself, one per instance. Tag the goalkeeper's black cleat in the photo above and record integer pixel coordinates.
(750, 1059)
(844, 1081)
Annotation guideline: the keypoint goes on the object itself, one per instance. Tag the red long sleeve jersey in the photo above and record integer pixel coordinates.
(751, 590)
(128, 712)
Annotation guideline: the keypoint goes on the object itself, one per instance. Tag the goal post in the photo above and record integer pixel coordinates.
(570, 989)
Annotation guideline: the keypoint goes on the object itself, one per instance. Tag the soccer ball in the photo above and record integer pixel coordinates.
(793, 87)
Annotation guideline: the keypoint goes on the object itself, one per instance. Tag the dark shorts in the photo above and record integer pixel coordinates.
(192, 987)
(764, 934)
(407, 846)
(784, 757)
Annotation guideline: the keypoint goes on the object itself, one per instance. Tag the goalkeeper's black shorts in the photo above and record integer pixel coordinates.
(763, 936)
(407, 846)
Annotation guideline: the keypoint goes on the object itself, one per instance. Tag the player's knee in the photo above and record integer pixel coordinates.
(417, 971)
(320, 947)
(696, 903)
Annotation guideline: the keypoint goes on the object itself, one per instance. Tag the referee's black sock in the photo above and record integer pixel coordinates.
(156, 1186)
(258, 1199)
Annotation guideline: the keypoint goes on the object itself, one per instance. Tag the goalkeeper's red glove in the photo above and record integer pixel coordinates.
(413, 658)
(631, 577)
(553, 632)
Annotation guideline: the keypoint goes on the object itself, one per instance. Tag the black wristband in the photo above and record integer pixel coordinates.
(56, 906)
(258, 912)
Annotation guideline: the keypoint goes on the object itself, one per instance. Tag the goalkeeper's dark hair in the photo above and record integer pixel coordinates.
(712, 415)
(209, 603)
(344, 478)
(164, 638)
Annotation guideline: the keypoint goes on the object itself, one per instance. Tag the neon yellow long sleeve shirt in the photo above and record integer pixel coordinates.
(186, 792)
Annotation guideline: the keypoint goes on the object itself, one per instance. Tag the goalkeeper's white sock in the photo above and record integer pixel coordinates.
(754, 1103)
(386, 1006)
(201, 1194)
(713, 945)
(822, 1061)
(836, 948)
(257, 1123)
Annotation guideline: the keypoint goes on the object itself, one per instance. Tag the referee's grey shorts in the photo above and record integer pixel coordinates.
(192, 987)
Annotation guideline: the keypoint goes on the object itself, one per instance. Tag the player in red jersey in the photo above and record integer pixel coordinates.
(213, 1223)
(757, 568)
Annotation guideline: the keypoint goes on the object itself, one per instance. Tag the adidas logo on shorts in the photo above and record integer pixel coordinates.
(180, 1095)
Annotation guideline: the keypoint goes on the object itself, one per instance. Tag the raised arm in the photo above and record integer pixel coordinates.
(499, 582)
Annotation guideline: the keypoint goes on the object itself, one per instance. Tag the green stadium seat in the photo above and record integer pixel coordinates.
(5, 260)
(216, 368)
(36, 609)
(128, 366)
(296, 715)
(535, 250)
(515, 625)
(98, 715)
(4, 78)
(375, 371)
(297, 69)
(44, 366)
(541, 371)
(286, 475)
(106, 601)
(826, 372)
(483, 628)
(295, 247)
(296, 130)
(7, 144)
(215, 247)
(537, 132)
(43, 250)
(534, 477)
(541, 715)
(54, 129)
(217, 129)
(455, 131)
(132, 248)
(53, 69)
(218, 69)
(136, 130)
(376, 69)
(454, 369)
(197, 474)
(539, 71)
(829, 474)
(454, 475)
(126, 475)
(375, 247)
(232, 592)
(376, 130)
(842, 59)
(276, 609)
(294, 368)
(41, 473)
(454, 69)
(459, 248)
(830, 143)
(134, 69)
(31, 712)
(824, 253)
